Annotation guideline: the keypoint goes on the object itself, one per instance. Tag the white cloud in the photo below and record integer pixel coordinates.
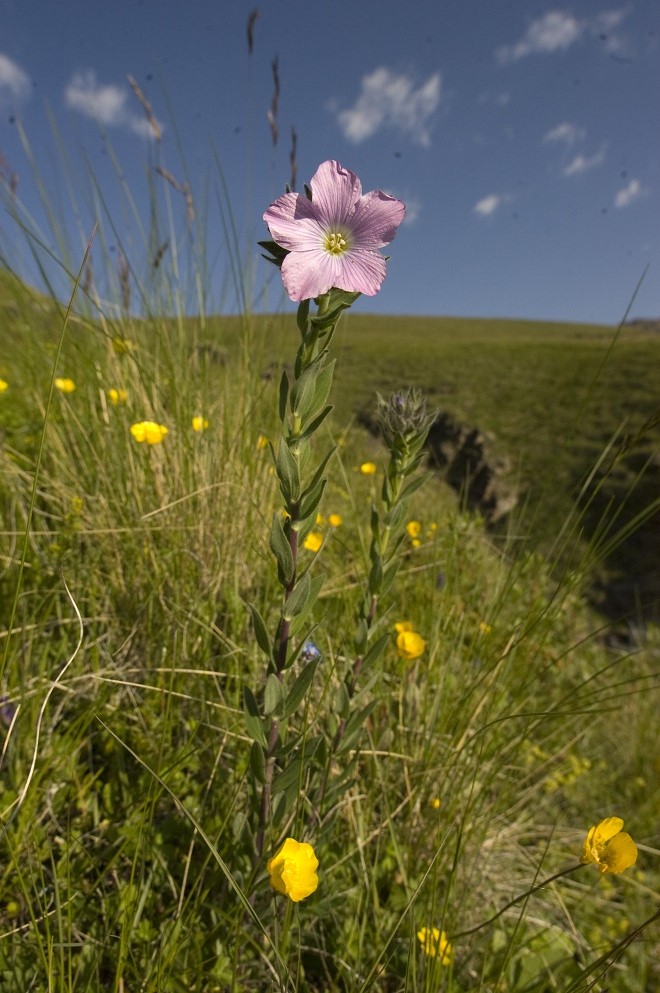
(104, 103)
(633, 191)
(555, 31)
(389, 99)
(566, 133)
(14, 82)
(488, 205)
(584, 163)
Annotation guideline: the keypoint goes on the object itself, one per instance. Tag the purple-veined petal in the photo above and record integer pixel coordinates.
(335, 191)
(293, 224)
(361, 272)
(376, 218)
(309, 274)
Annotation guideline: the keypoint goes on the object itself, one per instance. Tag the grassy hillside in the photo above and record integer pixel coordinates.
(573, 409)
(438, 786)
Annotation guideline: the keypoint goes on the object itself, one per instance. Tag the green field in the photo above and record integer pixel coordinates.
(462, 778)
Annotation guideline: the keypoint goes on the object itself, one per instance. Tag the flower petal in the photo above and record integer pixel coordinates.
(293, 223)
(361, 272)
(376, 218)
(335, 192)
(620, 854)
(309, 274)
(606, 830)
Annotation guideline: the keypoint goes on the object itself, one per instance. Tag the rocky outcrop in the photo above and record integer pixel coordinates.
(465, 457)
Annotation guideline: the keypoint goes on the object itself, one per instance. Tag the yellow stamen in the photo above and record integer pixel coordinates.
(335, 243)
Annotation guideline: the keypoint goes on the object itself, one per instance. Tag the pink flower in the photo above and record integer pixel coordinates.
(333, 239)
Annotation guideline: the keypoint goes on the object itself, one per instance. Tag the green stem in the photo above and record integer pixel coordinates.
(517, 899)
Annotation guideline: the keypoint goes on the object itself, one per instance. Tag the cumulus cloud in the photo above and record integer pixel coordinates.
(487, 205)
(584, 163)
(557, 30)
(14, 82)
(106, 103)
(390, 100)
(565, 133)
(633, 191)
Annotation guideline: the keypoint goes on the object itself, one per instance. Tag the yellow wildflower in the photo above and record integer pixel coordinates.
(335, 520)
(262, 441)
(368, 468)
(199, 423)
(117, 396)
(435, 943)
(319, 518)
(436, 803)
(149, 431)
(313, 541)
(65, 385)
(414, 529)
(403, 626)
(292, 870)
(484, 627)
(3, 386)
(608, 847)
(409, 645)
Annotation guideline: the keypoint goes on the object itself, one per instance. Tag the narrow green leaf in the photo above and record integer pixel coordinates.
(257, 762)
(260, 630)
(389, 574)
(284, 395)
(342, 700)
(302, 390)
(317, 422)
(288, 776)
(376, 651)
(299, 689)
(279, 546)
(273, 694)
(310, 502)
(253, 722)
(287, 471)
(297, 599)
(315, 588)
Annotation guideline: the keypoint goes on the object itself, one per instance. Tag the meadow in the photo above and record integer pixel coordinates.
(441, 710)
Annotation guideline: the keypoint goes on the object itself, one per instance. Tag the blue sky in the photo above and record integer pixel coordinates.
(523, 135)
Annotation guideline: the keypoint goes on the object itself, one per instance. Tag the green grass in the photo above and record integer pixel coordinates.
(130, 790)
(509, 719)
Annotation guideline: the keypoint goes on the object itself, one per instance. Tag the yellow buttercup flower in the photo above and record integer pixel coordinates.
(262, 441)
(292, 870)
(65, 385)
(414, 529)
(608, 847)
(313, 541)
(3, 386)
(117, 396)
(435, 943)
(335, 520)
(436, 803)
(409, 644)
(149, 431)
(368, 468)
(199, 423)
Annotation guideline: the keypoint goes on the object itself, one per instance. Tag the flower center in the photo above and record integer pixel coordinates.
(335, 243)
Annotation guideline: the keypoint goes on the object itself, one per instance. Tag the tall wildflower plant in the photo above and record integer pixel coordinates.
(326, 243)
